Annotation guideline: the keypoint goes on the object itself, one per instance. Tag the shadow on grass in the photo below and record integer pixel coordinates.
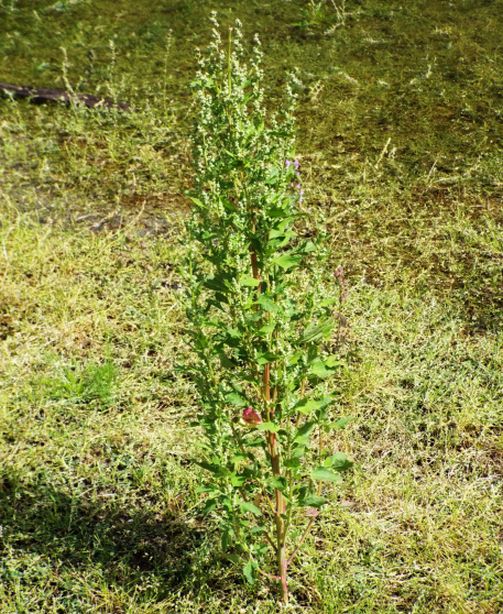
(126, 545)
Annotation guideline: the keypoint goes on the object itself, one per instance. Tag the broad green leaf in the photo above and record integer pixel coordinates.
(249, 281)
(307, 406)
(234, 398)
(309, 247)
(247, 506)
(226, 362)
(321, 474)
(276, 233)
(233, 333)
(213, 468)
(278, 482)
(267, 304)
(237, 480)
(209, 506)
(255, 442)
(287, 261)
(333, 361)
(319, 369)
(338, 461)
(299, 450)
(302, 436)
(269, 427)
(227, 503)
(249, 572)
(293, 462)
(281, 241)
(218, 284)
(313, 500)
(315, 332)
(294, 359)
(281, 228)
(268, 328)
(238, 458)
(265, 357)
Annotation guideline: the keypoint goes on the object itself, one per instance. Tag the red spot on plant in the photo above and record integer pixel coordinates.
(250, 416)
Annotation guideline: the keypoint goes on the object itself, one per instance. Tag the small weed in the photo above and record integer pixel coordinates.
(83, 384)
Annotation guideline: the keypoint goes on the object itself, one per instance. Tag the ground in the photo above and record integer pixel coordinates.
(399, 136)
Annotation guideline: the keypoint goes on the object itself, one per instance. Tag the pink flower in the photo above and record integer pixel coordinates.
(250, 416)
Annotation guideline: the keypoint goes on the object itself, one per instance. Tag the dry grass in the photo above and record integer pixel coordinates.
(97, 488)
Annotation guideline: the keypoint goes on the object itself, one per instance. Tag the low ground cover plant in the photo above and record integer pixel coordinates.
(260, 317)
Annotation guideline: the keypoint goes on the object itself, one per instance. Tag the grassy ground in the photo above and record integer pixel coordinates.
(400, 141)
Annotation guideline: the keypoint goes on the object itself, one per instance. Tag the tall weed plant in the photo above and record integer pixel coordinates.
(260, 319)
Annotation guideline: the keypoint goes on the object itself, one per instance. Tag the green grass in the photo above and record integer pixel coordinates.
(400, 139)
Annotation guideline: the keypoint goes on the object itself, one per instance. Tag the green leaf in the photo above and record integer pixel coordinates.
(254, 442)
(302, 436)
(214, 468)
(209, 506)
(276, 233)
(293, 462)
(218, 283)
(321, 474)
(299, 450)
(307, 406)
(287, 261)
(319, 369)
(313, 500)
(225, 361)
(248, 281)
(268, 328)
(338, 461)
(265, 357)
(280, 240)
(236, 480)
(294, 359)
(278, 482)
(249, 572)
(333, 361)
(234, 398)
(309, 247)
(238, 458)
(247, 506)
(267, 304)
(269, 427)
(315, 332)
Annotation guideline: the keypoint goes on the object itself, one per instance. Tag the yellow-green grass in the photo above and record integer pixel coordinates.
(97, 492)
(98, 503)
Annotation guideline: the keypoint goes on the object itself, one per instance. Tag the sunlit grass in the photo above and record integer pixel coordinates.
(399, 149)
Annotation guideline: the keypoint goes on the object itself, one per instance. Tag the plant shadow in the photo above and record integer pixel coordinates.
(126, 544)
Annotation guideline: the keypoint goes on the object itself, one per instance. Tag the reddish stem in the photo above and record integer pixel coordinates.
(280, 507)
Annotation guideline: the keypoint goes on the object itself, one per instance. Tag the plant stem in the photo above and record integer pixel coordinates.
(279, 508)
